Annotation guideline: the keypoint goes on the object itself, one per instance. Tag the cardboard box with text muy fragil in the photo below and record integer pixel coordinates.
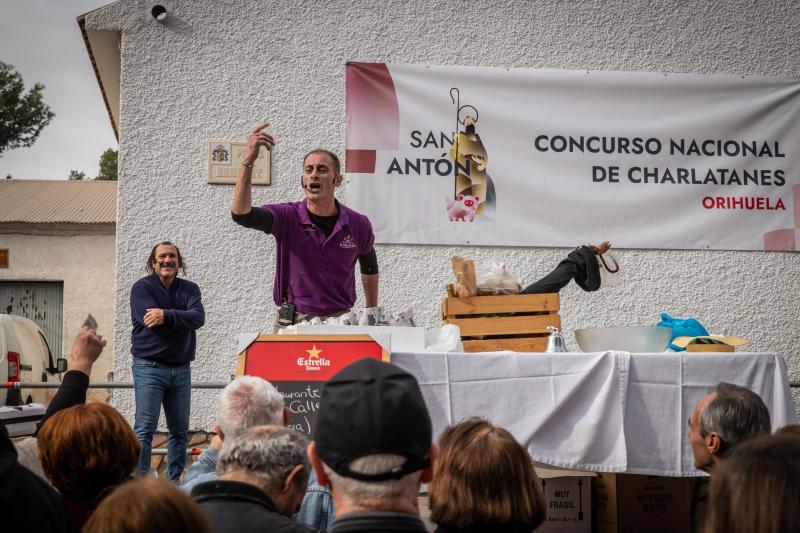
(568, 500)
(628, 503)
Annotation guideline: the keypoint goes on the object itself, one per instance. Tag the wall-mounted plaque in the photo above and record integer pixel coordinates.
(225, 159)
(4, 258)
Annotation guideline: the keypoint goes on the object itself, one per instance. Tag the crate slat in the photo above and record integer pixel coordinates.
(513, 303)
(524, 344)
(509, 325)
(520, 327)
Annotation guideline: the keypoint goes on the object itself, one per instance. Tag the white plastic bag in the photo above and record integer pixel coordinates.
(371, 316)
(495, 279)
(609, 270)
(444, 339)
(402, 319)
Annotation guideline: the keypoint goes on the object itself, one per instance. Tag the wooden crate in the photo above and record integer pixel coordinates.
(514, 322)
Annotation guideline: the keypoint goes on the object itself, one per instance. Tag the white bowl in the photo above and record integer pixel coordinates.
(646, 339)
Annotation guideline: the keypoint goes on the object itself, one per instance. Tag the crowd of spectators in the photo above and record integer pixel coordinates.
(372, 449)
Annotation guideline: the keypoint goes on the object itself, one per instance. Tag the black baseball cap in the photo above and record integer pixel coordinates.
(372, 407)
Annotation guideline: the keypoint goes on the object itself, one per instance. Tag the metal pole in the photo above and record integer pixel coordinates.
(109, 385)
(189, 451)
(124, 385)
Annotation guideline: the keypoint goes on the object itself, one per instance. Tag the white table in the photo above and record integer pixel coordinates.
(605, 412)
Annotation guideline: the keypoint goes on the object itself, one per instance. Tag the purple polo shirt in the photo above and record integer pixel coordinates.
(317, 273)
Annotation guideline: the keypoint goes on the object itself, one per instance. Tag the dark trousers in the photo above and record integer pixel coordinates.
(555, 280)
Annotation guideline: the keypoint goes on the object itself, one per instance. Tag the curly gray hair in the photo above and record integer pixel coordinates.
(267, 453)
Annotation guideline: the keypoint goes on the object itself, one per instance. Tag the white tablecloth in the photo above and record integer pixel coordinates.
(605, 412)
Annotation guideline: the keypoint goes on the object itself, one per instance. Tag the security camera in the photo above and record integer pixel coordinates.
(159, 12)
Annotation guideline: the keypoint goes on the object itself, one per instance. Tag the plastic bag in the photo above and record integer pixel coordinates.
(496, 279)
(681, 327)
(444, 339)
(371, 316)
(347, 319)
(609, 270)
(402, 319)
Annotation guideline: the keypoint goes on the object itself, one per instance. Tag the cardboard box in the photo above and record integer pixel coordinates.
(628, 503)
(568, 499)
(709, 343)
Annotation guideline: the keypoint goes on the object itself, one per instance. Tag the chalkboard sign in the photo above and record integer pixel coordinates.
(298, 366)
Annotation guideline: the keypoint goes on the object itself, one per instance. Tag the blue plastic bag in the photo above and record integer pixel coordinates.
(681, 327)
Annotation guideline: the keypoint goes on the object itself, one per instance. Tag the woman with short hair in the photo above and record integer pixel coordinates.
(484, 481)
(85, 451)
(757, 488)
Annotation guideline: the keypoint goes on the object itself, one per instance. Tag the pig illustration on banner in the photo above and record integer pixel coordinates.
(463, 208)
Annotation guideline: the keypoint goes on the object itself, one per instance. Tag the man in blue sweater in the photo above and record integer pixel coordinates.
(165, 311)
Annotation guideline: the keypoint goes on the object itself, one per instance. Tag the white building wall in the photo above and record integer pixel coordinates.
(215, 69)
(85, 263)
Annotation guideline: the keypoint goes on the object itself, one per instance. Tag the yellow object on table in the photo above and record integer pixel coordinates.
(709, 343)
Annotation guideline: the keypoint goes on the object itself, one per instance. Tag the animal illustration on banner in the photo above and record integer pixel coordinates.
(463, 208)
(473, 189)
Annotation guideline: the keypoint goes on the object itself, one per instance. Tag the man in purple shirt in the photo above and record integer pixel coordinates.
(318, 239)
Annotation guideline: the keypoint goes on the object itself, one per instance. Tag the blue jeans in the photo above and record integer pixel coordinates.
(317, 510)
(156, 384)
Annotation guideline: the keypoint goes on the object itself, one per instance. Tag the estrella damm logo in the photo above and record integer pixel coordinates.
(313, 362)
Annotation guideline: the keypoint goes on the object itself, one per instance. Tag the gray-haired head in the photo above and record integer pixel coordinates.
(248, 401)
(736, 414)
(357, 492)
(266, 453)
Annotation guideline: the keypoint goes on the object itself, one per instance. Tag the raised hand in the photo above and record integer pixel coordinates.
(86, 348)
(603, 247)
(255, 140)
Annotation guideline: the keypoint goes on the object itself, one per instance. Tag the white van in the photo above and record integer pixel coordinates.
(24, 356)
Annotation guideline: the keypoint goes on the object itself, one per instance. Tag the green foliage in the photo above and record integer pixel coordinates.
(75, 175)
(22, 116)
(108, 166)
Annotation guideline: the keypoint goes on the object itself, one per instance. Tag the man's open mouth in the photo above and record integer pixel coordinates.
(314, 186)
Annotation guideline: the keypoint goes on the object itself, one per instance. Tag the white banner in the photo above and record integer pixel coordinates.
(489, 156)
